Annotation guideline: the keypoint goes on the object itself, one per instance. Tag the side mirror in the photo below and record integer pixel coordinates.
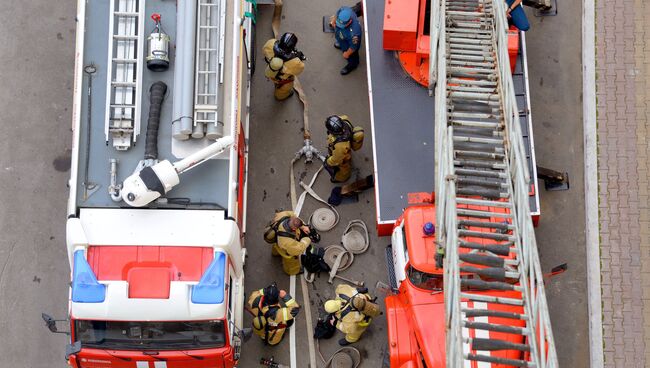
(245, 334)
(71, 349)
(50, 323)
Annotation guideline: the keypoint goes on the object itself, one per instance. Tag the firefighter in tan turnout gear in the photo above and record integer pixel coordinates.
(351, 312)
(342, 139)
(273, 312)
(283, 64)
(290, 237)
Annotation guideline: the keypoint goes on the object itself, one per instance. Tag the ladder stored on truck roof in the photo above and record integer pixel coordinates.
(124, 74)
(210, 35)
(481, 170)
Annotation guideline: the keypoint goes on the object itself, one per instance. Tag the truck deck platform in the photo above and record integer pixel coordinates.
(204, 187)
(402, 117)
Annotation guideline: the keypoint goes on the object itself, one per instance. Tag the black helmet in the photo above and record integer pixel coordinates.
(288, 42)
(334, 125)
(271, 294)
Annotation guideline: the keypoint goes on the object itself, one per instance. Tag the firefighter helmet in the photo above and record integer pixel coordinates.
(271, 294)
(334, 125)
(287, 42)
(332, 306)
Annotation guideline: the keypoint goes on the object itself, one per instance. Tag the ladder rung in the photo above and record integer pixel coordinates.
(491, 96)
(125, 61)
(482, 259)
(125, 37)
(481, 181)
(486, 235)
(493, 313)
(481, 214)
(479, 164)
(500, 249)
(496, 273)
(477, 124)
(123, 84)
(491, 299)
(494, 327)
(483, 155)
(498, 360)
(461, 138)
(485, 224)
(481, 192)
(481, 173)
(488, 285)
(126, 14)
(480, 202)
(494, 344)
(475, 82)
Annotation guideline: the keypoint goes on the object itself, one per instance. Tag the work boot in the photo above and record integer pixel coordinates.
(344, 342)
(347, 69)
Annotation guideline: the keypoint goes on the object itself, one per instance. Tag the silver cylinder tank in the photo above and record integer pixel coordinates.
(158, 56)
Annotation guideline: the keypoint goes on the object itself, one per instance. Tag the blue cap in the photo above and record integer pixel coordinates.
(344, 16)
(428, 229)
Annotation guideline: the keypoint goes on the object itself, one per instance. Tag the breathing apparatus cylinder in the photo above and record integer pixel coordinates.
(158, 44)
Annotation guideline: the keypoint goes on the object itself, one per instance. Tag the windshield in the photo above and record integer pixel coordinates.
(425, 280)
(434, 282)
(150, 335)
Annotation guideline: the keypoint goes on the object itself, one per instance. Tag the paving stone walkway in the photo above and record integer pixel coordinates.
(623, 93)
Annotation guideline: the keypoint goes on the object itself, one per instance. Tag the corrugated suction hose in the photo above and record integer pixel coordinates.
(156, 96)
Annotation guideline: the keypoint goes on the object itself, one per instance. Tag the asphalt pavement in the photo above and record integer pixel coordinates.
(36, 70)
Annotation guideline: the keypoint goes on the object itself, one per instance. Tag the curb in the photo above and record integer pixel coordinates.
(591, 183)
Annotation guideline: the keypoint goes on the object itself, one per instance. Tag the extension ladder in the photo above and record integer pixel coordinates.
(124, 72)
(209, 68)
(494, 285)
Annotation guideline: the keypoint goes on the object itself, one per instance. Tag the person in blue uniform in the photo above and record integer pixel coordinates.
(516, 15)
(348, 37)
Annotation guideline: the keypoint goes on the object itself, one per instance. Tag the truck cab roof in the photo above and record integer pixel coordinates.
(149, 266)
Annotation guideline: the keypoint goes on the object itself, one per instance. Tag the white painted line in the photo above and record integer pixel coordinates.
(292, 330)
(591, 183)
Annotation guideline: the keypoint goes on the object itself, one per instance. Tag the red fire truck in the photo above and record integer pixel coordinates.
(156, 250)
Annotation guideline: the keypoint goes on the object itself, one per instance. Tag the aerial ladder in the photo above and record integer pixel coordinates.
(484, 231)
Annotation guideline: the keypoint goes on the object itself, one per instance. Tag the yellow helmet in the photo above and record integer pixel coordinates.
(332, 306)
(276, 64)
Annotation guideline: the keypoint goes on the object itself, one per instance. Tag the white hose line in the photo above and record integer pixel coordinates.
(296, 204)
(292, 333)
